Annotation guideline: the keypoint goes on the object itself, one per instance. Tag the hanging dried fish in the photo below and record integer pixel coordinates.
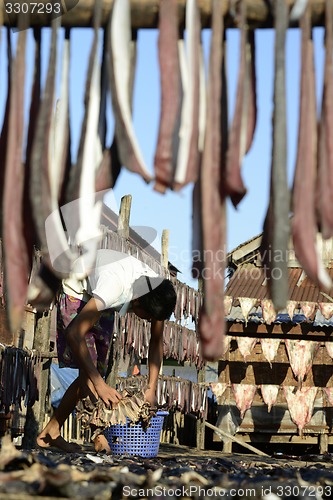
(300, 405)
(40, 186)
(29, 229)
(16, 260)
(244, 121)
(246, 346)
(269, 394)
(244, 396)
(188, 152)
(301, 354)
(213, 209)
(61, 256)
(325, 154)
(5, 126)
(304, 228)
(274, 244)
(120, 47)
(270, 348)
(170, 94)
(90, 156)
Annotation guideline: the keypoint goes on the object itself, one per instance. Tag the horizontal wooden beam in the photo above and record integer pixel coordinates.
(79, 13)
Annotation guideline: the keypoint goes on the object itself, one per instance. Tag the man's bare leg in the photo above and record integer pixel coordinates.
(50, 435)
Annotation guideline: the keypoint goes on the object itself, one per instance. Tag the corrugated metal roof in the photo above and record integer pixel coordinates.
(249, 281)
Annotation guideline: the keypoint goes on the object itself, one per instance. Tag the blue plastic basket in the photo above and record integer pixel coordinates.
(133, 440)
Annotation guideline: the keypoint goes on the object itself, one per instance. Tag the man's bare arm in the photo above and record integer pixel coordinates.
(76, 332)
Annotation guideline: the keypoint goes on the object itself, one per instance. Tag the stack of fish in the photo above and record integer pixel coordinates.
(97, 416)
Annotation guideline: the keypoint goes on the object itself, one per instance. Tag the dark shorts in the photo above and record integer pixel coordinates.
(98, 338)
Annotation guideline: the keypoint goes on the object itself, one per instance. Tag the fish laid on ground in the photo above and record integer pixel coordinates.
(274, 244)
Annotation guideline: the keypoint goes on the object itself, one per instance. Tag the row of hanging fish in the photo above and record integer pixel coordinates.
(311, 192)
(19, 374)
(300, 401)
(179, 342)
(194, 145)
(269, 315)
(301, 353)
(173, 392)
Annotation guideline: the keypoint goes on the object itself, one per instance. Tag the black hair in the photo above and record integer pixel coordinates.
(160, 301)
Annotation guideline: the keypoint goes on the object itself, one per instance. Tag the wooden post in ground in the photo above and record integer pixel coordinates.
(201, 378)
(164, 261)
(36, 413)
(123, 231)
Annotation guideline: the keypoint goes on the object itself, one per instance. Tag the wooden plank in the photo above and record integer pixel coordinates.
(78, 13)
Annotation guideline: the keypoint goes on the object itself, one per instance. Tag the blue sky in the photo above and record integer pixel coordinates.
(173, 210)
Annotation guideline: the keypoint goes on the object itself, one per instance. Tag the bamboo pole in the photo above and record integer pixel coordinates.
(78, 13)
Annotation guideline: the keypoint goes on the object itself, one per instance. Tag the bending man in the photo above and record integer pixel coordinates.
(85, 326)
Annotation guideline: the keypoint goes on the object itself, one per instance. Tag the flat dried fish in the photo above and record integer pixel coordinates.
(213, 205)
(188, 151)
(119, 46)
(168, 53)
(304, 228)
(325, 155)
(90, 157)
(244, 120)
(16, 259)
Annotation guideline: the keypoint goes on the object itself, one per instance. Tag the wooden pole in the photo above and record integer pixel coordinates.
(78, 13)
(124, 216)
(36, 414)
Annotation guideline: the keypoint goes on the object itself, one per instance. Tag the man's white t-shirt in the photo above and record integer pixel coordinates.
(111, 280)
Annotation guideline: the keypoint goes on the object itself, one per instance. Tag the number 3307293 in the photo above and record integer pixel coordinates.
(33, 8)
